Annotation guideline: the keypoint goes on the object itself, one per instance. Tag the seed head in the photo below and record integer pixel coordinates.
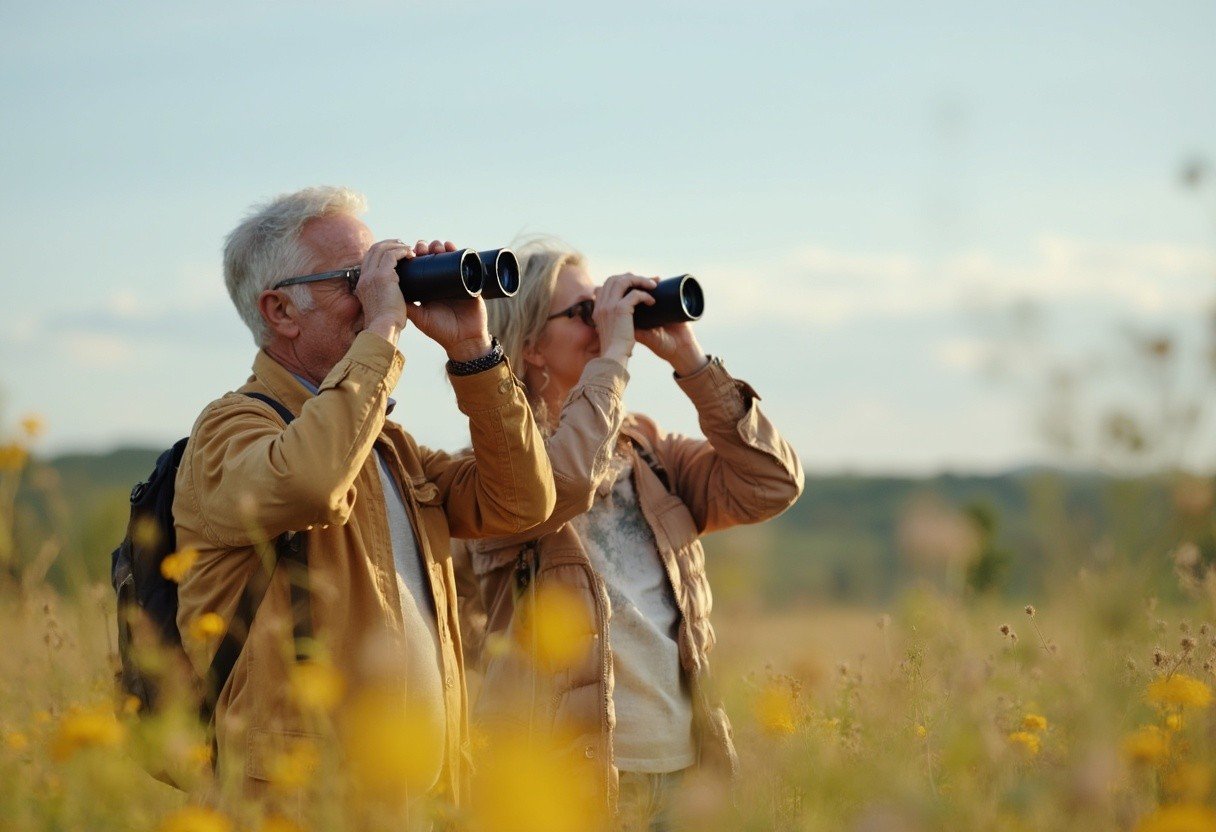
(1187, 644)
(1030, 610)
(1005, 629)
(1158, 657)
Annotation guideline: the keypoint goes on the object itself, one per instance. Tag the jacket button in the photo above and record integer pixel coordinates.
(449, 682)
(589, 752)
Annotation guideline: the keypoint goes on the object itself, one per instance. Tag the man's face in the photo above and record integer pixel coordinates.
(337, 241)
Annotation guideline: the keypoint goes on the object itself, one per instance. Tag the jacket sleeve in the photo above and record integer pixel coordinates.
(743, 471)
(586, 434)
(506, 484)
(252, 479)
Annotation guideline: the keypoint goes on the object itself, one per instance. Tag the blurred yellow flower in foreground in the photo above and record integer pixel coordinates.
(389, 747)
(316, 686)
(94, 727)
(1026, 741)
(293, 767)
(12, 457)
(33, 425)
(523, 786)
(776, 709)
(278, 823)
(16, 740)
(1174, 722)
(1149, 745)
(175, 566)
(1180, 690)
(1034, 722)
(1182, 818)
(207, 627)
(196, 819)
(556, 629)
(1187, 782)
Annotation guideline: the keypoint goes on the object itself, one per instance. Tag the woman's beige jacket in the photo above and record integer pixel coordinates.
(742, 472)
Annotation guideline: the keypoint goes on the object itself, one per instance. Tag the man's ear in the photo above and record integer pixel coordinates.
(279, 313)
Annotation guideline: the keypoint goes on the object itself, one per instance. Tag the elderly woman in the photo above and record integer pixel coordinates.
(632, 503)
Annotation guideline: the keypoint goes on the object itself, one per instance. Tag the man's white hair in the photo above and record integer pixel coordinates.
(265, 248)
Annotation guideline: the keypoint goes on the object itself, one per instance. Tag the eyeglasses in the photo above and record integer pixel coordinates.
(582, 309)
(351, 276)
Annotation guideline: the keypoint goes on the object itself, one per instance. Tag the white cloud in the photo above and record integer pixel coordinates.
(825, 287)
(99, 351)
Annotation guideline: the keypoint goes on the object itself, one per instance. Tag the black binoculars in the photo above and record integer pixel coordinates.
(458, 275)
(676, 299)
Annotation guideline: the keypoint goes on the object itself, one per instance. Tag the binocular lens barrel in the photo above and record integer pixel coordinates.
(676, 299)
(502, 273)
(453, 275)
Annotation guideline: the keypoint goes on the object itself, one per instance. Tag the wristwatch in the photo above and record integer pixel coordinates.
(491, 359)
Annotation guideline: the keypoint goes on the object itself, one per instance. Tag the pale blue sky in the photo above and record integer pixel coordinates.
(852, 182)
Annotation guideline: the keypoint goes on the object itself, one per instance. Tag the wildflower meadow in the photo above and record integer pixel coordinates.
(1089, 706)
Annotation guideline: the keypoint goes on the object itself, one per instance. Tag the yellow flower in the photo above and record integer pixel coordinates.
(175, 566)
(1034, 722)
(196, 819)
(556, 629)
(1187, 782)
(390, 749)
(293, 768)
(16, 740)
(508, 795)
(1174, 722)
(12, 457)
(316, 686)
(85, 728)
(1149, 745)
(131, 705)
(278, 823)
(33, 426)
(207, 627)
(1181, 818)
(1026, 741)
(1180, 690)
(922, 731)
(775, 709)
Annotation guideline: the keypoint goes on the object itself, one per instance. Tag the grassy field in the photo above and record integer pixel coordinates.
(1088, 708)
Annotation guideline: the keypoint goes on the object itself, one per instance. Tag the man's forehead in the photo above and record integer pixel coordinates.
(337, 236)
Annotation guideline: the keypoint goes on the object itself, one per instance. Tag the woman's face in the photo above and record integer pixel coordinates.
(566, 344)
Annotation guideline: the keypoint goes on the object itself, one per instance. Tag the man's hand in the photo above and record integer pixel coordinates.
(459, 326)
(384, 309)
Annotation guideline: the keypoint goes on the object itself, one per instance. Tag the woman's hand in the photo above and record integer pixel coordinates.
(613, 315)
(677, 345)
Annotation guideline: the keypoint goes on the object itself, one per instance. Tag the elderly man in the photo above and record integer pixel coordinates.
(374, 509)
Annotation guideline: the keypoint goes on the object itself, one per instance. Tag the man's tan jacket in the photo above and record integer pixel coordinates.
(743, 471)
(246, 478)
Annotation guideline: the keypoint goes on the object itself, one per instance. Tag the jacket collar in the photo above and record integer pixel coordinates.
(283, 385)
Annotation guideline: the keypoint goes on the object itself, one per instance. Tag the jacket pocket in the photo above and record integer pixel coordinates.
(269, 753)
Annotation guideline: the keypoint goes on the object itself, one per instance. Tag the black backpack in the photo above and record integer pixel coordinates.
(147, 601)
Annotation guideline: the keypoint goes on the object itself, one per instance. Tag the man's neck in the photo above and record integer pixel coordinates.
(284, 355)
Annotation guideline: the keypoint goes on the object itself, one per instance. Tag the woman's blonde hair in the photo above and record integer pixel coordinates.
(518, 321)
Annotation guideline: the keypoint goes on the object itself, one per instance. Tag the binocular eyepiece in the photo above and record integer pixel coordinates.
(676, 299)
(459, 275)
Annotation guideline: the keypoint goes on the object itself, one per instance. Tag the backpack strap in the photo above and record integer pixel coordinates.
(291, 549)
(652, 462)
